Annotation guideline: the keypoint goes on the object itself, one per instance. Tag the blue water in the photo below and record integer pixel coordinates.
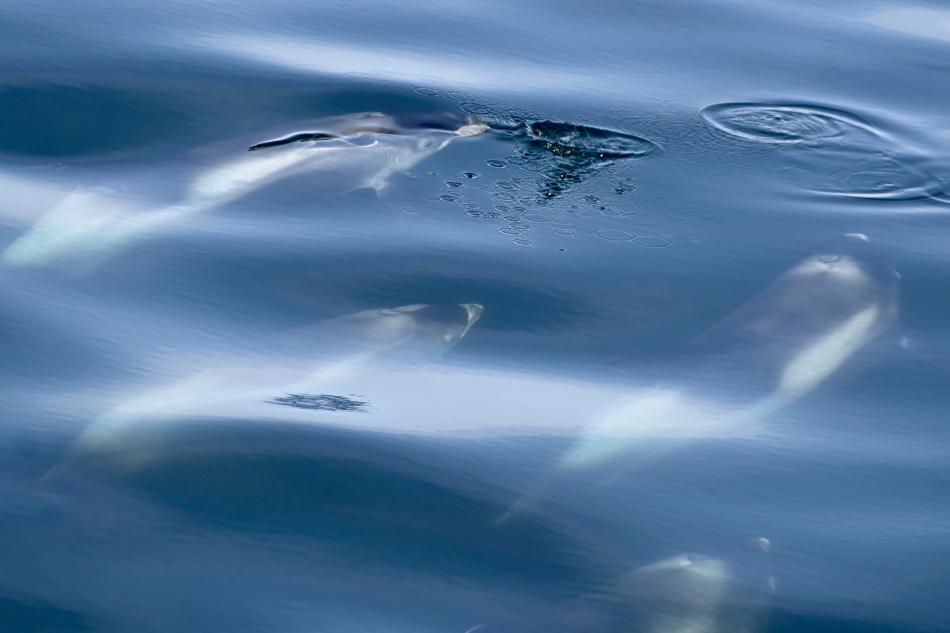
(617, 317)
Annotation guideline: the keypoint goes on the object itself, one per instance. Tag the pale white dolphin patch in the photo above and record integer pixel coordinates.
(816, 362)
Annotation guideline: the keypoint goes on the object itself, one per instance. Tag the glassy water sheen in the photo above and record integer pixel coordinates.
(533, 316)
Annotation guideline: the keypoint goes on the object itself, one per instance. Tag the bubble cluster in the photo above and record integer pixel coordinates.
(566, 139)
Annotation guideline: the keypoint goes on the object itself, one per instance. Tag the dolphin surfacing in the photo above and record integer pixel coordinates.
(94, 223)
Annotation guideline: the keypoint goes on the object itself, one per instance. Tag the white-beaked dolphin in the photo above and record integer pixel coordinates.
(766, 355)
(361, 150)
(312, 363)
(761, 358)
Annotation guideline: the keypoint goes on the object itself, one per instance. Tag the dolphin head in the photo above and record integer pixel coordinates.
(848, 275)
(420, 329)
(688, 581)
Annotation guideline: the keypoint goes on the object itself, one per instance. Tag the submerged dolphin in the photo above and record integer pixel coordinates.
(766, 355)
(308, 368)
(93, 223)
(692, 593)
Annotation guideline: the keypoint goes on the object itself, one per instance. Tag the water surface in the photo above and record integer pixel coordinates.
(658, 343)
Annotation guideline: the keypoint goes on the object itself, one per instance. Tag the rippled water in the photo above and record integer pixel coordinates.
(534, 317)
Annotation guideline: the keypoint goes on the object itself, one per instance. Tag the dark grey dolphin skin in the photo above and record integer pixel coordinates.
(374, 123)
(293, 138)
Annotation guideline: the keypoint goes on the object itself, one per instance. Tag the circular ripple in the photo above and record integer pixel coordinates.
(425, 90)
(784, 123)
(887, 178)
(478, 109)
(507, 230)
(614, 235)
(537, 218)
(523, 114)
(460, 95)
(497, 164)
(522, 242)
(652, 241)
(690, 215)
